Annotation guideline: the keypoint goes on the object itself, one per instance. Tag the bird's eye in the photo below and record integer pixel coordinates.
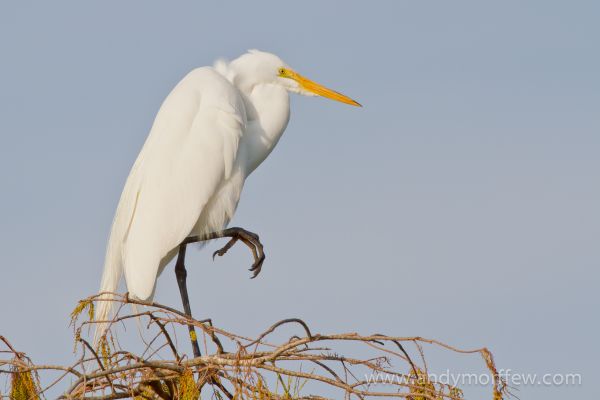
(282, 71)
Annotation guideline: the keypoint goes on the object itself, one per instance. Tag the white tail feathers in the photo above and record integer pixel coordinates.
(113, 269)
(113, 264)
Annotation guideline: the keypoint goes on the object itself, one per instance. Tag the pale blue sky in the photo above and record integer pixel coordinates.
(461, 203)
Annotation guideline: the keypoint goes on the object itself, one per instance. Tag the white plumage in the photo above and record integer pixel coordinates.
(215, 127)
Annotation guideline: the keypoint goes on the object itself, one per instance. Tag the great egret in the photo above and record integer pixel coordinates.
(216, 126)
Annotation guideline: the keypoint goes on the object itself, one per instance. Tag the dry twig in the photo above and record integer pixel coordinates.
(239, 367)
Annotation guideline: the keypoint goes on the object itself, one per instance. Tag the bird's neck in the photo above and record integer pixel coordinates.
(268, 109)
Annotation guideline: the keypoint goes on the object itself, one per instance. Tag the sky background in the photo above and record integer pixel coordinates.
(461, 203)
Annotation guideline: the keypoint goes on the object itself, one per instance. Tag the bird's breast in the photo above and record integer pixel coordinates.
(269, 114)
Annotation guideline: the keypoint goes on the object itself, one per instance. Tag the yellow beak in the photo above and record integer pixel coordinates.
(316, 88)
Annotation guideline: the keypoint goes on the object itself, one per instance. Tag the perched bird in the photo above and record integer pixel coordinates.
(214, 128)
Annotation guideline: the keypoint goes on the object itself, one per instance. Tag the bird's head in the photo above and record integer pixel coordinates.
(259, 67)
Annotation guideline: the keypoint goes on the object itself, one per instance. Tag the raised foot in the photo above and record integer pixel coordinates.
(251, 240)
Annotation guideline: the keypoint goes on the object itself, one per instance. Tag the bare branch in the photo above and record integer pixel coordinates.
(260, 373)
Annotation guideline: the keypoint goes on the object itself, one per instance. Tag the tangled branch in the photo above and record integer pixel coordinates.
(234, 366)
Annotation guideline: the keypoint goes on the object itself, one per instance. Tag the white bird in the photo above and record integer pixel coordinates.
(214, 128)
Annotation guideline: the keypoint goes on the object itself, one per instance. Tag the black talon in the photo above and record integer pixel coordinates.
(255, 274)
(223, 250)
(255, 266)
(218, 253)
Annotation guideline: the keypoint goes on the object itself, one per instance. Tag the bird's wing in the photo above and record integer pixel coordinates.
(189, 152)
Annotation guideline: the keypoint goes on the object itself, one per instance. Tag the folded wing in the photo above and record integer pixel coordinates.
(189, 152)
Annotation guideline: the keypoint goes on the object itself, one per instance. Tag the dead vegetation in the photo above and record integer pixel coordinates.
(233, 366)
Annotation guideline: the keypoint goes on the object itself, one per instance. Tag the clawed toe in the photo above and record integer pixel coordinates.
(223, 250)
(253, 242)
(219, 253)
(257, 266)
(250, 239)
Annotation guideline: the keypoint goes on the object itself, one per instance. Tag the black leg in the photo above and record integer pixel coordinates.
(248, 238)
(181, 275)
